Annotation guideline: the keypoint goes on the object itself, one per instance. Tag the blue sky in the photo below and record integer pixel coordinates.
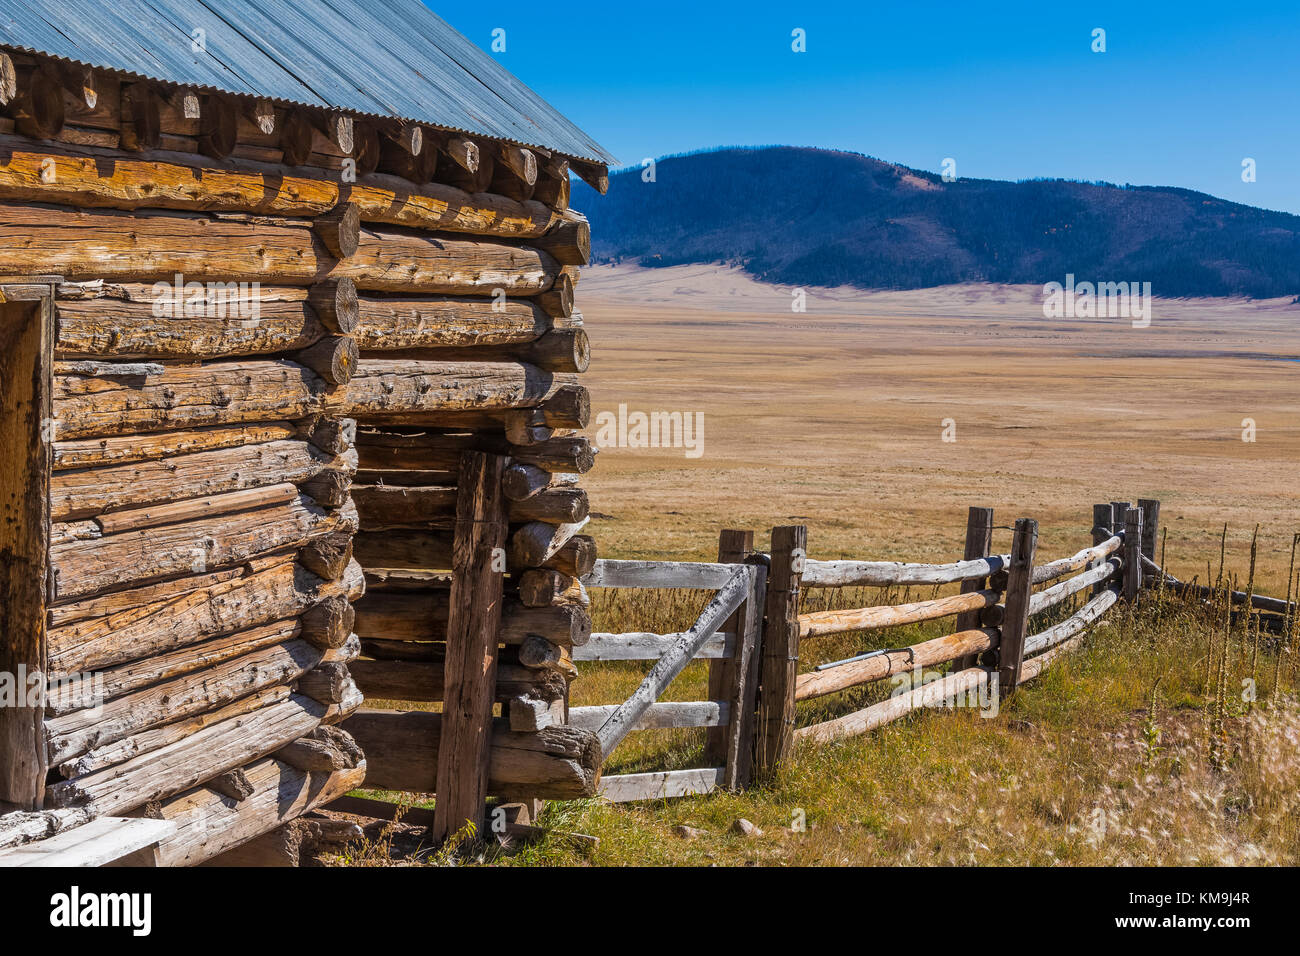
(1184, 92)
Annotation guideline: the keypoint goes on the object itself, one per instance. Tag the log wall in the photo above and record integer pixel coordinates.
(265, 373)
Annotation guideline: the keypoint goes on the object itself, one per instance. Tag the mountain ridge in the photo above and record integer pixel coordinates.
(804, 216)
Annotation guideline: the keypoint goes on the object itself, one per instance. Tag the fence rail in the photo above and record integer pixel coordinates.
(990, 649)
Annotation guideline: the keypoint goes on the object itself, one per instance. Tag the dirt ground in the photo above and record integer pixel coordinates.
(836, 417)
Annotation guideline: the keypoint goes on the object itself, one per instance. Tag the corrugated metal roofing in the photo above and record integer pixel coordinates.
(382, 58)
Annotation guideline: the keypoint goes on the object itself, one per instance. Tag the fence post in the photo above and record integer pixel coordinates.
(1150, 508)
(1132, 555)
(775, 730)
(1118, 510)
(1102, 521)
(1015, 626)
(473, 630)
(733, 547)
(742, 695)
(979, 539)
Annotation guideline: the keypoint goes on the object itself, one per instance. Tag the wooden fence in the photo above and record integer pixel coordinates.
(752, 630)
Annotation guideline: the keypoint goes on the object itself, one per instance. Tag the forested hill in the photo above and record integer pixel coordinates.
(800, 216)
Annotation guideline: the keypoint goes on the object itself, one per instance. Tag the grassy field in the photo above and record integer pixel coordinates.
(835, 419)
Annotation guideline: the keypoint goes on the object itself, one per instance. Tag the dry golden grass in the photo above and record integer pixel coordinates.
(832, 418)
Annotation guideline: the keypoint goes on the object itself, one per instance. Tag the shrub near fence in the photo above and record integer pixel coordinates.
(1007, 627)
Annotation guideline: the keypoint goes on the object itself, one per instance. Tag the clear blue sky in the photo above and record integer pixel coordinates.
(1184, 92)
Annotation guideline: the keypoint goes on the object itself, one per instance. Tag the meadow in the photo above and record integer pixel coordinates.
(1133, 750)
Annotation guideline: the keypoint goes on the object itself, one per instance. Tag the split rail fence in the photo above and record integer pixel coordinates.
(752, 631)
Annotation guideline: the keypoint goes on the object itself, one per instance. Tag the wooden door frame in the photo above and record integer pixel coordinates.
(26, 582)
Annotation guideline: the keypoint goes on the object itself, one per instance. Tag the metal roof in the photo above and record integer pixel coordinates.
(380, 58)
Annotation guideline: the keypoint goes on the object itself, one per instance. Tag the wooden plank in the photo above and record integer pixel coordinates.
(659, 716)
(1101, 519)
(626, 715)
(963, 645)
(733, 546)
(1062, 566)
(1132, 555)
(658, 574)
(843, 574)
(775, 729)
(927, 695)
(644, 646)
(624, 788)
(819, 623)
(100, 841)
(1015, 624)
(472, 632)
(1150, 509)
(979, 541)
(1094, 577)
(1072, 625)
(742, 693)
(26, 357)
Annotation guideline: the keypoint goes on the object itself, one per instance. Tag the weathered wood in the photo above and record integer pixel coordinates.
(333, 358)
(336, 305)
(536, 542)
(37, 107)
(530, 714)
(683, 651)
(713, 714)
(1150, 509)
(979, 542)
(1061, 566)
(1101, 519)
(327, 683)
(399, 506)
(659, 785)
(1072, 625)
(1015, 626)
(328, 557)
(73, 734)
(391, 324)
(208, 823)
(192, 509)
(97, 843)
(233, 784)
(932, 694)
(1093, 577)
(644, 646)
(157, 624)
(577, 558)
(325, 748)
(25, 409)
(402, 753)
(141, 122)
(1133, 528)
(148, 741)
(136, 557)
(89, 453)
(818, 623)
(201, 756)
(741, 687)
(340, 229)
(425, 616)
(423, 681)
(734, 546)
(78, 693)
(218, 126)
(383, 389)
(71, 243)
(542, 587)
(568, 240)
(659, 574)
(470, 665)
(330, 623)
(781, 635)
(853, 574)
(961, 645)
(18, 827)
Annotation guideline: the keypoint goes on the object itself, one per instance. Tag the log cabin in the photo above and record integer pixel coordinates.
(289, 351)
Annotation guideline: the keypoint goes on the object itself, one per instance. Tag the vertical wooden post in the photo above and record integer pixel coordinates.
(979, 539)
(26, 343)
(1015, 626)
(742, 695)
(733, 547)
(1150, 509)
(1118, 510)
(473, 630)
(1132, 555)
(1102, 517)
(775, 731)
